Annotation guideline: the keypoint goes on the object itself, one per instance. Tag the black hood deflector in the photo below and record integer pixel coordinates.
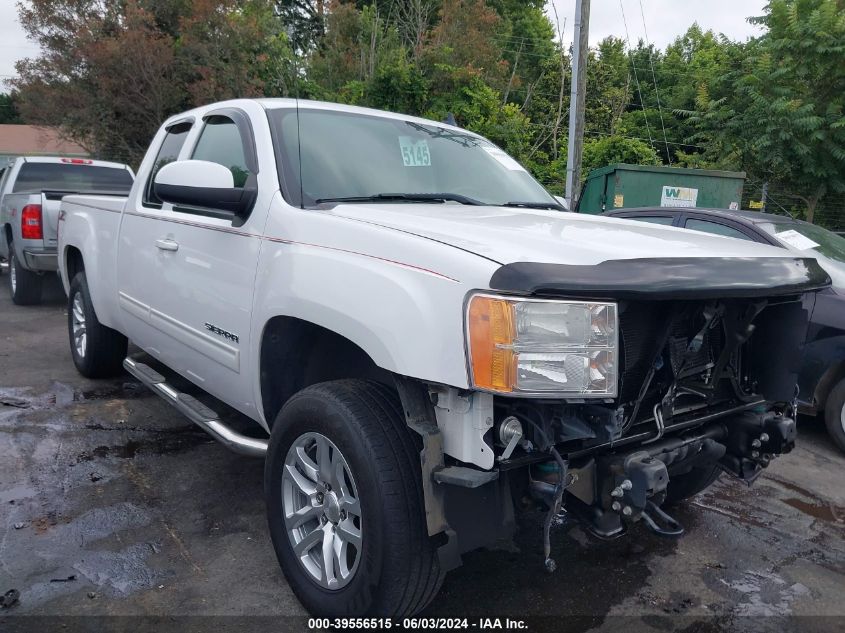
(665, 278)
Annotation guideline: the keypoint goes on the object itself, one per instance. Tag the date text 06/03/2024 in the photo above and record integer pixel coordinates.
(481, 624)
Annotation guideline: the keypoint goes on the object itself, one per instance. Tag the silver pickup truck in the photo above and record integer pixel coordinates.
(426, 342)
(31, 190)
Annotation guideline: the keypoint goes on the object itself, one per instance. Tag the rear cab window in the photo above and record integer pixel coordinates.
(34, 177)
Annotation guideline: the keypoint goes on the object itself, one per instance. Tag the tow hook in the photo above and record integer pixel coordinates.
(672, 529)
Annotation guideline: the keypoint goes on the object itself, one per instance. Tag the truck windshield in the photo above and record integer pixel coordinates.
(826, 246)
(352, 157)
(71, 177)
(809, 237)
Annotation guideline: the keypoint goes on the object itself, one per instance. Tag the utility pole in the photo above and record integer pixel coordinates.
(580, 50)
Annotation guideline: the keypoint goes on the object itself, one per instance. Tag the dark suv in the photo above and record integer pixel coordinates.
(822, 378)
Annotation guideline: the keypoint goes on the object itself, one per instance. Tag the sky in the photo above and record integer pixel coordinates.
(664, 20)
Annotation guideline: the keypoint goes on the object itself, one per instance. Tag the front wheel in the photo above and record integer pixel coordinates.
(24, 285)
(344, 502)
(98, 351)
(834, 415)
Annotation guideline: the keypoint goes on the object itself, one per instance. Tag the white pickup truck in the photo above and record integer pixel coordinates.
(31, 190)
(426, 341)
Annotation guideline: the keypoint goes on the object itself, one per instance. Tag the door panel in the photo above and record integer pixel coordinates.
(141, 266)
(206, 295)
(197, 302)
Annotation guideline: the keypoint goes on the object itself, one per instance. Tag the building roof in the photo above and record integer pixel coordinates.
(33, 140)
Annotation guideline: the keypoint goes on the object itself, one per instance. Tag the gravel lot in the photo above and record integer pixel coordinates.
(112, 504)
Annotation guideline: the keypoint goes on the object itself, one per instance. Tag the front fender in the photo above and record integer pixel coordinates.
(406, 321)
(397, 296)
(824, 351)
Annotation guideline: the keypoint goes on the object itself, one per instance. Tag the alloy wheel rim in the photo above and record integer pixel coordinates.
(13, 275)
(80, 332)
(322, 511)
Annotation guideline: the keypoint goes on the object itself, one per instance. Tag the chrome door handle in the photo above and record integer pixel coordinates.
(167, 245)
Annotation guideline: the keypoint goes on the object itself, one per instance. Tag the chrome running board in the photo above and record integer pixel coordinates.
(196, 411)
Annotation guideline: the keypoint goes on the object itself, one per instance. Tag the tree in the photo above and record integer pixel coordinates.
(610, 150)
(783, 118)
(305, 22)
(414, 19)
(527, 39)
(9, 109)
(465, 37)
(110, 73)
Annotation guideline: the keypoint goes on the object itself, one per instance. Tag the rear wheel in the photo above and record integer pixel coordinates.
(834, 415)
(344, 502)
(682, 487)
(98, 351)
(24, 285)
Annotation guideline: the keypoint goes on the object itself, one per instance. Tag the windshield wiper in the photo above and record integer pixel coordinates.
(534, 205)
(410, 197)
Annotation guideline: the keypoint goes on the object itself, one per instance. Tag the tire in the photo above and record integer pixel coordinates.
(682, 487)
(98, 351)
(24, 285)
(834, 415)
(397, 572)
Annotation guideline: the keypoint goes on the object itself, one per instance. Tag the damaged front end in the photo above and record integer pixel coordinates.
(708, 354)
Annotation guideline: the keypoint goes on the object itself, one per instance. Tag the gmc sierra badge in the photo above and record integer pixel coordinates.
(216, 330)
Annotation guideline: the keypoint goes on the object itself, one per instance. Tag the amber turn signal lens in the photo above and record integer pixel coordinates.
(491, 335)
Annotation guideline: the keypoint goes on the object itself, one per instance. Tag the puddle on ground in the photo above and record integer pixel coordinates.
(61, 395)
(765, 594)
(15, 398)
(730, 499)
(167, 442)
(826, 512)
(796, 488)
(77, 557)
(123, 572)
(125, 390)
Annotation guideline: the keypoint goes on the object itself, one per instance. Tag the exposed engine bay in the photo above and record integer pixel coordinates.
(705, 386)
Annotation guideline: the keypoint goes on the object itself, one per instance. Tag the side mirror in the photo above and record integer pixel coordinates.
(201, 183)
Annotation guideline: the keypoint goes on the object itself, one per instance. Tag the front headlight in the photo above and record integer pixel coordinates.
(541, 347)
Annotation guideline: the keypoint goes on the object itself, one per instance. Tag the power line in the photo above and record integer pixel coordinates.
(656, 91)
(639, 138)
(636, 78)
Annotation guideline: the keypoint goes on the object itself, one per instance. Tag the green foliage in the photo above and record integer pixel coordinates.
(783, 117)
(9, 109)
(111, 72)
(617, 149)
(772, 106)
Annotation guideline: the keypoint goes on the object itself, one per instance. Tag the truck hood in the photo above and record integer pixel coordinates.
(508, 235)
(567, 254)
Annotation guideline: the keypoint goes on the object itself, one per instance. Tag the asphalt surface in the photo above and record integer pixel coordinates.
(112, 504)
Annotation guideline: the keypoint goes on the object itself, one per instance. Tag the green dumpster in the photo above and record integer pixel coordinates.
(629, 186)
